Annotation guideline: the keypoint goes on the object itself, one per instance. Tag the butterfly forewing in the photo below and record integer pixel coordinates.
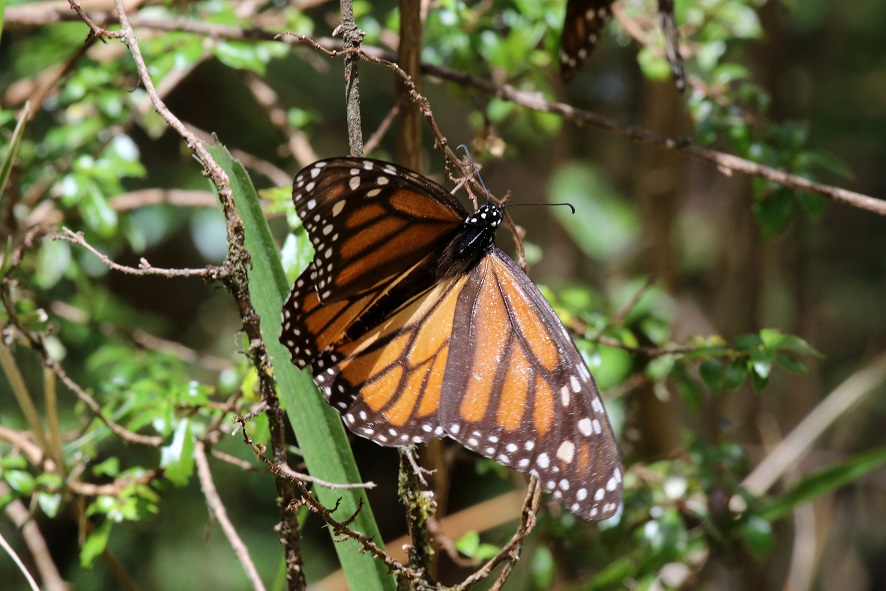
(581, 28)
(369, 221)
(521, 394)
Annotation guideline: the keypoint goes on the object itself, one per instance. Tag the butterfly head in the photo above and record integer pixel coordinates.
(478, 231)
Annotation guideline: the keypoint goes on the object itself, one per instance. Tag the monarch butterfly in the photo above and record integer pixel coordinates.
(417, 326)
(583, 23)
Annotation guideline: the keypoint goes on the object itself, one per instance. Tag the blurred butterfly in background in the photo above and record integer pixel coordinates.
(585, 20)
(416, 326)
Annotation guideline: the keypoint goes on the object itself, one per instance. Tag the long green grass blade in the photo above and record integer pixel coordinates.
(16, 140)
(823, 482)
(321, 436)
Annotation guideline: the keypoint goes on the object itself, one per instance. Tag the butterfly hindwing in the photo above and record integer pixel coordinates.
(387, 383)
(517, 390)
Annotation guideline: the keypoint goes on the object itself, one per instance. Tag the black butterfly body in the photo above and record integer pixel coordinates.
(417, 326)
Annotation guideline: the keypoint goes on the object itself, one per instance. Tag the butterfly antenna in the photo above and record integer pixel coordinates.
(566, 203)
(476, 170)
(489, 199)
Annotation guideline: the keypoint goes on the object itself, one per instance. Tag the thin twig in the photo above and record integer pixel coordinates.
(217, 508)
(511, 551)
(19, 515)
(287, 472)
(352, 37)
(145, 267)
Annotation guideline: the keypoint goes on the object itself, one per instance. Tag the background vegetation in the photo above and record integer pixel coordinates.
(735, 322)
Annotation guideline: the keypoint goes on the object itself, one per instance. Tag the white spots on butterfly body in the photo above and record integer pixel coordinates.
(368, 164)
(564, 484)
(503, 459)
(427, 428)
(566, 451)
(315, 171)
(362, 415)
(581, 494)
(611, 484)
(383, 180)
(584, 372)
(489, 451)
(338, 207)
(598, 496)
(511, 447)
(349, 418)
(492, 439)
(529, 445)
(310, 186)
(393, 432)
(523, 463)
(354, 171)
(586, 427)
(597, 427)
(550, 485)
(373, 192)
(543, 461)
(311, 204)
(473, 442)
(354, 183)
(454, 428)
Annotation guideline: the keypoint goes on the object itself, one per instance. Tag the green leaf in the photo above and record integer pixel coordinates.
(320, 433)
(823, 482)
(773, 212)
(775, 339)
(660, 367)
(95, 544)
(714, 375)
(761, 361)
(757, 535)
(543, 568)
(20, 481)
(736, 372)
(49, 503)
(470, 545)
(791, 364)
(177, 459)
